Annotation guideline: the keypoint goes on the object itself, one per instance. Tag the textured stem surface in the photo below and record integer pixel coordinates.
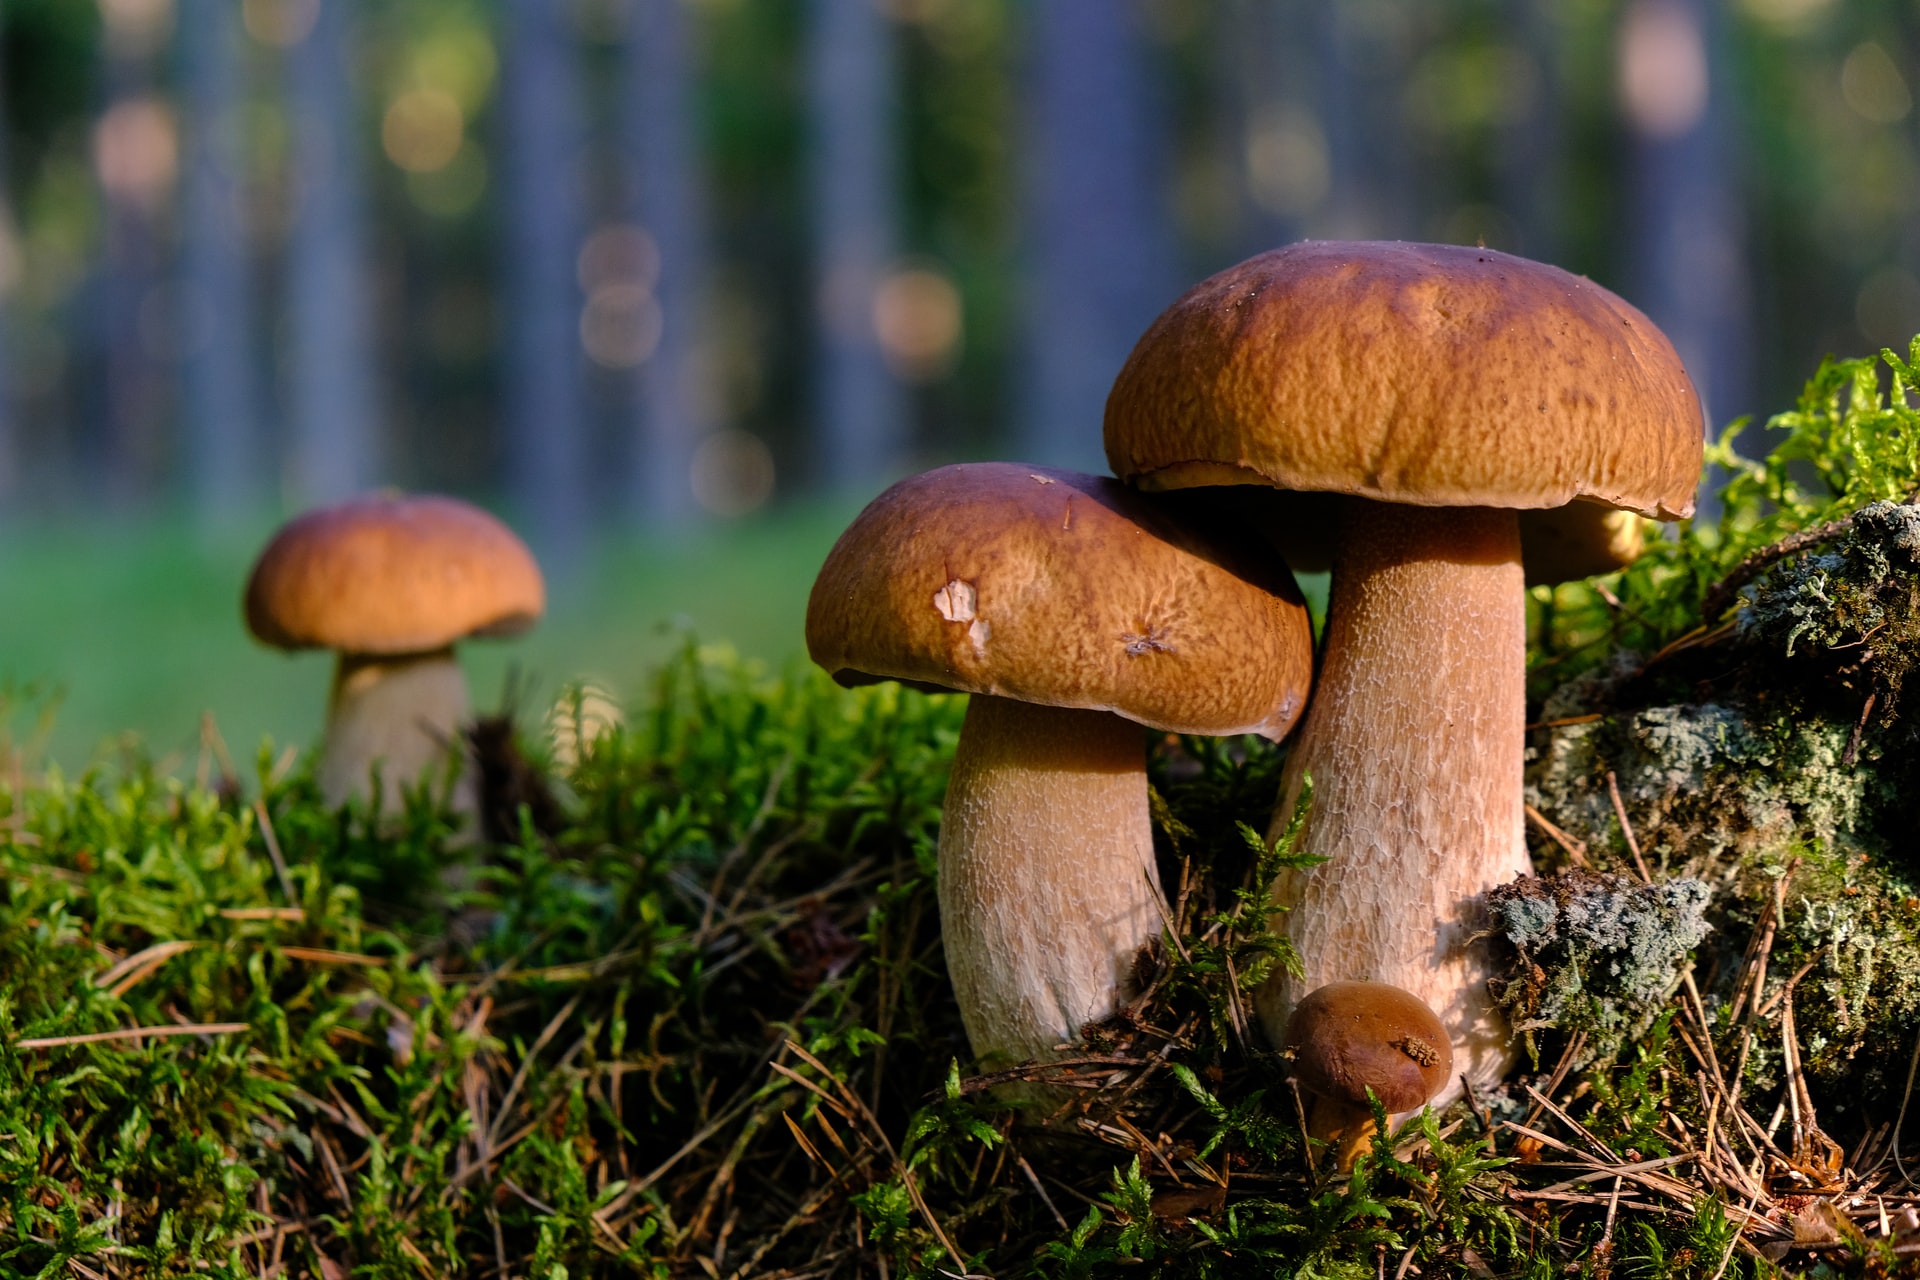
(1047, 882)
(1415, 742)
(401, 715)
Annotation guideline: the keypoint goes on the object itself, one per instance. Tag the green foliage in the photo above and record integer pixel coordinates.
(1852, 439)
(1246, 1122)
(1237, 947)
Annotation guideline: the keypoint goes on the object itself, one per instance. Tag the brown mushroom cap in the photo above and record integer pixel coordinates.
(1349, 1037)
(1433, 375)
(1061, 589)
(392, 574)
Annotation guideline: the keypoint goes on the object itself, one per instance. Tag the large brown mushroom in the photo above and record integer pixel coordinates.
(1350, 1040)
(1430, 396)
(1075, 611)
(390, 582)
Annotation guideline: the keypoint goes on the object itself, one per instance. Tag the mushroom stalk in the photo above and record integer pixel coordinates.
(1347, 1128)
(1415, 742)
(398, 714)
(1048, 887)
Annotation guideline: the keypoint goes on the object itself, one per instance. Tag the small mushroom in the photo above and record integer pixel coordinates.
(1075, 611)
(1461, 421)
(1352, 1038)
(390, 582)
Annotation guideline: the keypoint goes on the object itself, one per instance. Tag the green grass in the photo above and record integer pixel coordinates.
(137, 631)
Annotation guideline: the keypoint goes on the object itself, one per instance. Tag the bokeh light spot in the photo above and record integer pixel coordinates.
(1288, 170)
(12, 257)
(917, 317)
(136, 28)
(620, 253)
(620, 326)
(136, 151)
(460, 61)
(279, 23)
(1787, 14)
(1662, 68)
(1873, 86)
(1887, 308)
(732, 473)
(422, 130)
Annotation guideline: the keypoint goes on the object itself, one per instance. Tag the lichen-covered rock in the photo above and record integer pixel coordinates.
(1594, 953)
(1772, 755)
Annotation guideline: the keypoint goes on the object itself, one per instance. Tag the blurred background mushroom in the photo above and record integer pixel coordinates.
(1075, 611)
(390, 583)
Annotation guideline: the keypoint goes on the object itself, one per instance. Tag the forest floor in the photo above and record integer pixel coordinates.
(684, 1011)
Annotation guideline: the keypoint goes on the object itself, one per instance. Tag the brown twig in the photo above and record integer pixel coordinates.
(1576, 848)
(135, 1033)
(1626, 828)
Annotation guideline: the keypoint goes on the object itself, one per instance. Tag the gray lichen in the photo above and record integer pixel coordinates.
(1595, 953)
(1700, 781)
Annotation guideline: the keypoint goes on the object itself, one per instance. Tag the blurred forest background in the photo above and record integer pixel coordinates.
(676, 284)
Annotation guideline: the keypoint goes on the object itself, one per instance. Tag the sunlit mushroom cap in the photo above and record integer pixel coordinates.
(1431, 375)
(389, 574)
(1349, 1037)
(1060, 589)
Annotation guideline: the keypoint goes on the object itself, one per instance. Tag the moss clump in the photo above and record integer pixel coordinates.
(1852, 612)
(1598, 954)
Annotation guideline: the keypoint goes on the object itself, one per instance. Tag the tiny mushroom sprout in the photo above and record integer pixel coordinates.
(390, 582)
(1453, 413)
(1349, 1039)
(1075, 611)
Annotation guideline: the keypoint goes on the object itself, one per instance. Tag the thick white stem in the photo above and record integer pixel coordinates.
(399, 715)
(1415, 742)
(1047, 882)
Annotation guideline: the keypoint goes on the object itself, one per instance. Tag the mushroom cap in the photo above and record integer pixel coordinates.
(1349, 1037)
(390, 573)
(1061, 589)
(1434, 375)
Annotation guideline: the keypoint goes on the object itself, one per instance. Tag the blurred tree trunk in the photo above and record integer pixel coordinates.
(545, 421)
(213, 295)
(1099, 254)
(1265, 53)
(332, 399)
(1365, 58)
(1529, 173)
(661, 125)
(859, 408)
(1686, 231)
(135, 152)
(11, 441)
